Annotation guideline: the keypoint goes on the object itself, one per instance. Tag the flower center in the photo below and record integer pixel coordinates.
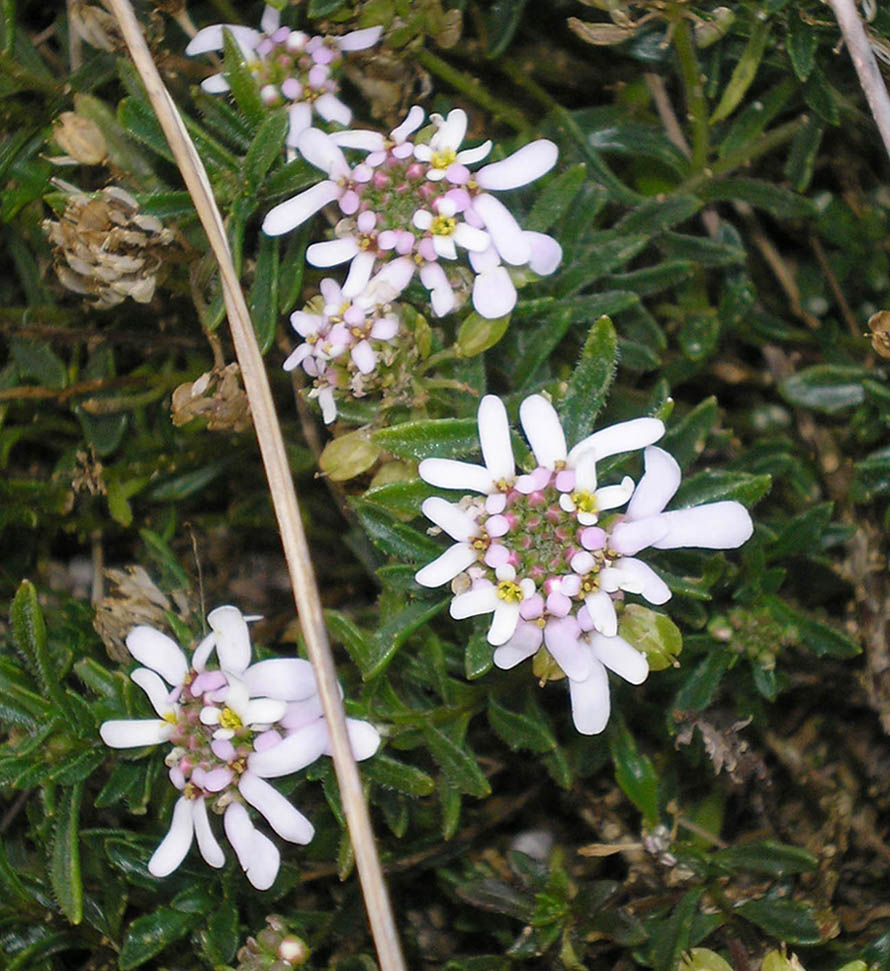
(443, 226)
(228, 719)
(509, 592)
(444, 158)
(585, 502)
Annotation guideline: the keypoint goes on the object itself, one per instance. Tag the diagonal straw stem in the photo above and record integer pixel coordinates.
(284, 497)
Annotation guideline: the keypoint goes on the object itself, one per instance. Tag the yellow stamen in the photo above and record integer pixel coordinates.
(585, 502)
(443, 225)
(441, 160)
(509, 592)
(228, 719)
(170, 717)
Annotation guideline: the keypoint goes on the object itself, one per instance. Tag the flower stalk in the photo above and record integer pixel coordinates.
(283, 495)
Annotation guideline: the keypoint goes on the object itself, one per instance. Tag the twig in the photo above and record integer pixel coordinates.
(840, 298)
(283, 494)
(866, 66)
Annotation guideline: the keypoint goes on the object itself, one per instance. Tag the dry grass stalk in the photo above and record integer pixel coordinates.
(282, 491)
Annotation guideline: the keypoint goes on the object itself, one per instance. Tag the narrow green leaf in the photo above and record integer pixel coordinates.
(554, 201)
(801, 42)
(673, 938)
(442, 438)
(244, 87)
(801, 161)
(767, 856)
(634, 773)
(268, 145)
(803, 532)
(818, 637)
(751, 122)
(64, 872)
(395, 538)
(29, 637)
(772, 198)
(701, 685)
(395, 632)
(744, 72)
(656, 215)
(501, 22)
(786, 920)
(685, 439)
(457, 763)
(392, 774)
(716, 485)
(346, 632)
(152, 933)
(478, 656)
(590, 381)
(653, 279)
(829, 388)
(138, 120)
(264, 292)
(528, 730)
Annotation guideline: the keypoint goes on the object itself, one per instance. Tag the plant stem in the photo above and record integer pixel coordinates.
(696, 106)
(475, 90)
(866, 66)
(282, 492)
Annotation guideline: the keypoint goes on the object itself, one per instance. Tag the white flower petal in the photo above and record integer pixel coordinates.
(215, 84)
(503, 623)
(232, 638)
(265, 861)
(299, 119)
(601, 608)
(285, 678)
(520, 168)
(134, 732)
(545, 253)
(451, 474)
(158, 693)
(321, 151)
(332, 109)
(631, 537)
(239, 832)
(626, 436)
(523, 644)
(364, 739)
(493, 293)
(451, 518)
(386, 285)
(482, 600)
(446, 567)
(203, 652)
(359, 40)
(645, 581)
(174, 846)
(543, 430)
(207, 844)
(611, 497)
(360, 271)
(271, 19)
(505, 232)
(413, 121)
(660, 481)
(211, 39)
(294, 753)
(469, 156)
(451, 130)
(158, 652)
(332, 252)
(494, 438)
(263, 711)
(360, 138)
(470, 238)
(590, 701)
(561, 639)
(619, 656)
(294, 212)
(285, 819)
(713, 526)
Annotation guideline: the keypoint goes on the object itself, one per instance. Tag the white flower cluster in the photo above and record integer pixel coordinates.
(231, 727)
(535, 551)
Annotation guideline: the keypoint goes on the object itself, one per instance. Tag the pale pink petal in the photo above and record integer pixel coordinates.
(215, 84)
(413, 121)
(158, 692)
(451, 474)
(713, 526)
(299, 120)
(285, 678)
(211, 39)
(217, 779)
(364, 739)
(294, 212)
(601, 608)
(626, 436)
(207, 844)
(450, 131)
(494, 294)
(232, 638)
(362, 139)
(543, 430)
(611, 497)
(520, 168)
(174, 846)
(265, 861)
(363, 357)
(332, 252)
(476, 240)
(469, 156)
(134, 732)
(359, 40)
(271, 19)
(631, 537)
(545, 253)
(359, 273)
(444, 247)
(263, 711)
(386, 285)
(619, 656)
(561, 638)
(297, 751)
(503, 623)
(645, 580)
(158, 652)
(523, 644)
(505, 232)
(451, 518)
(482, 600)
(287, 821)
(494, 438)
(657, 487)
(332, 109)
(590, 701)
(323, 152)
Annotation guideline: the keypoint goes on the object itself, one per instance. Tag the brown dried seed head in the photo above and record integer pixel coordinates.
(879, 326)
(80, 138)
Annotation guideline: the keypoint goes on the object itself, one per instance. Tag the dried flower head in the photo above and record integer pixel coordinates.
(106, 249)
(217, 396)
(81, 138)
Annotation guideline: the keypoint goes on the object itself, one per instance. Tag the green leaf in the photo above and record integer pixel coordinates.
(125, 778)
(458, 764)
(751, 122)
(685, 439)
(715, 485)
(395, 538)
(829, 388)
(655, 634)
(64, 871)
(139, 122)
(801, 42)
(401, 498)
(36, 360)
(744, 72)
(554, 200)
(634, 773)
(245, 89)
(803, 532)
(606, 252)
(477, 333)
(356, 641)
(528, 730)
(443, 438)
(657, 215)
(222, 934)
(636, 141)
(674, 936)
(392, 774)
(767, 856)
(478, 656)
(700, 687)
(268, 145)
(771, 198)
(501, 23)
(323, 8)
(822, 97)
(386, 641)
(590, 381)
(801, 161)
(786, 920)
(701, 249)
(264, 292)
(653, 279)
(822, 639)
(152, 933)
(29, 637)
